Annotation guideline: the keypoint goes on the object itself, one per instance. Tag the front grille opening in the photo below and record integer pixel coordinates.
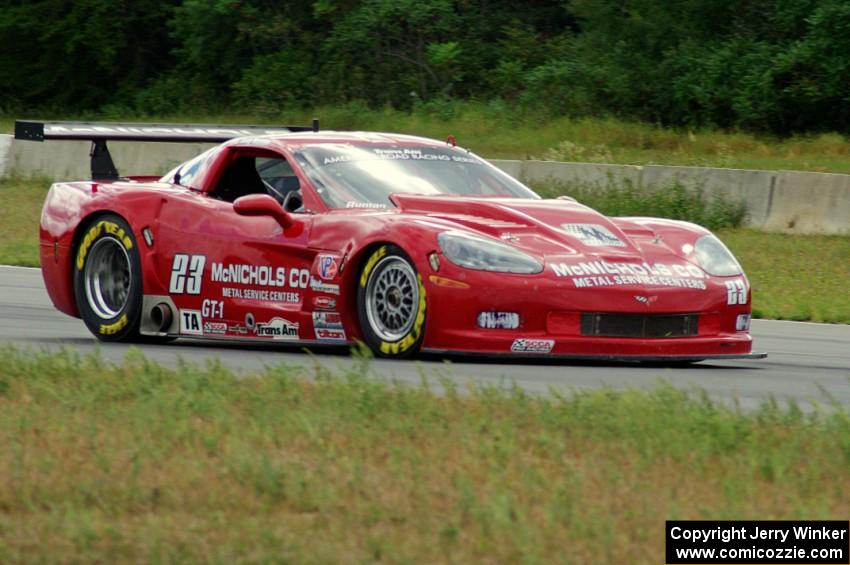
(605, 324)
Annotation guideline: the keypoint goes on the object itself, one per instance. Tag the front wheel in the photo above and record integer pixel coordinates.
(107, 279)
(391, 303)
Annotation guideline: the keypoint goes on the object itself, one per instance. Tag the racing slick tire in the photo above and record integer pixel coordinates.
(391, 303)
(108, 279)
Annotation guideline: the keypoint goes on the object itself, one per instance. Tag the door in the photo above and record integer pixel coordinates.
(230, 275)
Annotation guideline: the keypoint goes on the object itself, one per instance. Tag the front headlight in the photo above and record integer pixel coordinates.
(483, 254)
(715, 259)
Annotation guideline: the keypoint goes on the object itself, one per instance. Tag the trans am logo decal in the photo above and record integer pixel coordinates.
(278, 328)
(593, 235)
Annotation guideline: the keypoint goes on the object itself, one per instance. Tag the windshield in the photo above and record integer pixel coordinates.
(351, 176)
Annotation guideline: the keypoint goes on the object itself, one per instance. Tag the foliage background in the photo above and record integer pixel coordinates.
(775, 66)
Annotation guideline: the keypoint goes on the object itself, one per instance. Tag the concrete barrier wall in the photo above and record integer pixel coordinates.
(788, 201)
(5, 149)
(582, 173)
(810, 203)
(62, 160)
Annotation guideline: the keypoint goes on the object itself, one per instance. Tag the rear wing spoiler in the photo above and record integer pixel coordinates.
(99, 133)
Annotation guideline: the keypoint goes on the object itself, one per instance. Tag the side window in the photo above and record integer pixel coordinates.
(279, 177)
(239, 178)
(187, 175)
(248, 174)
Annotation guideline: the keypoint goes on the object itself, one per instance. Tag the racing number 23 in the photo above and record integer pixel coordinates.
(187, 273)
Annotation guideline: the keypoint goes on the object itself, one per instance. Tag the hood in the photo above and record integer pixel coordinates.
(543, 227)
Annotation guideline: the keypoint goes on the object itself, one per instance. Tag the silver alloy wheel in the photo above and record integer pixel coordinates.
(392, 298)
(107, 277)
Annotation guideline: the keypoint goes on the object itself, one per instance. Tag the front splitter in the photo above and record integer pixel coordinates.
(609, 358)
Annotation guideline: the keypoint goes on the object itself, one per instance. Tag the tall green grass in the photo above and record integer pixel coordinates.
(20, 210)
(795, 277)
(137, 462)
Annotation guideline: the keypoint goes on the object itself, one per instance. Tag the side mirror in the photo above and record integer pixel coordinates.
(262, 205)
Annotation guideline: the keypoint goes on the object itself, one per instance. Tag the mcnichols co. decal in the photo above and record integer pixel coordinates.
(589, 274)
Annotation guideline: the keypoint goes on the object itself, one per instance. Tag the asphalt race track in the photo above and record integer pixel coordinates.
(806, 361)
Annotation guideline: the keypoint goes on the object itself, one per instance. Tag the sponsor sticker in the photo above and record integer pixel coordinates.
(320, 286)
(328, 267)
(324, 302)
(215, 328)
(327, 334)
(590, 274)
(190, 322)
(238, 329)
(498, 320)
(278, 328)
(368, 205)
(532, 345)
(593, 235)
(327, 320)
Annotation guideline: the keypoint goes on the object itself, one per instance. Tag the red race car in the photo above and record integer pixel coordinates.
(292, 235)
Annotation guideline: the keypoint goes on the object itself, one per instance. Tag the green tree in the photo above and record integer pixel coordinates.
(82, 53)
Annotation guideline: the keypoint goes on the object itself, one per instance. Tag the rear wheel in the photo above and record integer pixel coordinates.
(107, 279)
(391, 303)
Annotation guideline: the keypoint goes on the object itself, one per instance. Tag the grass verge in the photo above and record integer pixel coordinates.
(794, 277)
(20, 210)
(500, 130)
(136, 462)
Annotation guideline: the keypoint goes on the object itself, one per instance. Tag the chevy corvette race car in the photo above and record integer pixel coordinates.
(295, 236)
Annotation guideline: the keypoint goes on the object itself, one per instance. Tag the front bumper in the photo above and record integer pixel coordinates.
(483, 342)
(551, 311)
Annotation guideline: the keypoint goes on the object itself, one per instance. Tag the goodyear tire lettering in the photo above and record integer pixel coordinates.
(88, 239)
(94, 232)
(114, 328)
(370, 264)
